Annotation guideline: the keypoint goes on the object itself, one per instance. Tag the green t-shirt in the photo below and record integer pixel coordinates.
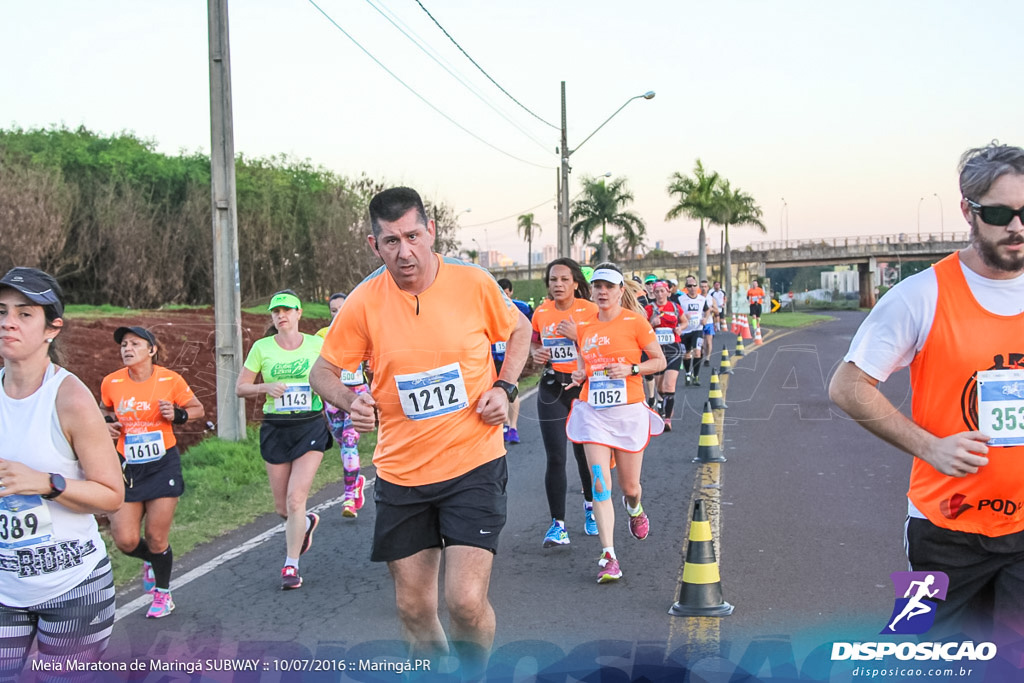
(267, 358)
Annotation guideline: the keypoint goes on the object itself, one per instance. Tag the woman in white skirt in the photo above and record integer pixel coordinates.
(611, 418)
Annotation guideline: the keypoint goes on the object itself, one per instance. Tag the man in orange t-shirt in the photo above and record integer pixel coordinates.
(426, 325)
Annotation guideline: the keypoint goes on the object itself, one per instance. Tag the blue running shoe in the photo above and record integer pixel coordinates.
(148, 578)
(589, 522)
(556, 535)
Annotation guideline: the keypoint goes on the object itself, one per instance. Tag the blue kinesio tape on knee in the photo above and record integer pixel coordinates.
(604, 494)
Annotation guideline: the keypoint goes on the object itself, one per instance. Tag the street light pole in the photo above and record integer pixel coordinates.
(919, 218)
(564, 243)
(942, 220)
(782, 212)
(563, 216)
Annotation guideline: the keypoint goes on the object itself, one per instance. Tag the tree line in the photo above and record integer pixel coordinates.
(118, 222)
(704, 196)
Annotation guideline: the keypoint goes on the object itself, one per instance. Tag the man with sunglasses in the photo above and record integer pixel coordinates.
(960, 327)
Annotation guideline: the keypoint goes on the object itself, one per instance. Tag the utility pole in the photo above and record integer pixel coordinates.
(227, 304)
(564, 245)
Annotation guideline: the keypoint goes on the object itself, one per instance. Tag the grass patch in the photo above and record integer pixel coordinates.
(797, 319)
(225, 488)
(93, 312)
(310, 309)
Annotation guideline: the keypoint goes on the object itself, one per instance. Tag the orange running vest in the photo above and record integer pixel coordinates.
(964, 339)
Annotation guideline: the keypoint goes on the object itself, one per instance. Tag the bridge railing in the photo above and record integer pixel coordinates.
(860, 241)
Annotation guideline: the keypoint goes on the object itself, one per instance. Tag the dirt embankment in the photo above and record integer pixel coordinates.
(187, 347)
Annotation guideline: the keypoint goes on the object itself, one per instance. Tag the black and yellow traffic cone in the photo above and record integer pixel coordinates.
(725, 365)
(708, 449)
(700, 594)
(715, 396)
(740, 351)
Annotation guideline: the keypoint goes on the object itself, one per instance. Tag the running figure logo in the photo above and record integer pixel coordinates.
(913, 611)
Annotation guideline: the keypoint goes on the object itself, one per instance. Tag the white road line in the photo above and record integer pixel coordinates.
(144, 600)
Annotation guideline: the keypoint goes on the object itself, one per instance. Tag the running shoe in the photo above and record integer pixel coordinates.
(290, 579)
(504, 432)
(162, 605)
(589, 522)
(688, 379)
(696, 380)
(307, 540)
(639, 525)
(512, 436)
(609, 569)
(556, 535)
(148, 578)
(707, 363)
(668, 424)
(358, 491)
(348, 508)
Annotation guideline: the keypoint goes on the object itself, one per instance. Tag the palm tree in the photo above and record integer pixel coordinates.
(602, 204)
(733, 207)
(694, 201)
(527, 228)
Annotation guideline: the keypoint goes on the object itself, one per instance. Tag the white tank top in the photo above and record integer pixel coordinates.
(45, 549)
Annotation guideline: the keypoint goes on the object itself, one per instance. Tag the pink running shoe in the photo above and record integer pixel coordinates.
(609, 569)
(162, 605)
(358, 492)
(639, 525)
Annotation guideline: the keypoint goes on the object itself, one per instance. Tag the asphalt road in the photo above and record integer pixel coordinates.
(807, 512)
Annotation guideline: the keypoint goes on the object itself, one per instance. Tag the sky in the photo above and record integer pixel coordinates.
(839, 119)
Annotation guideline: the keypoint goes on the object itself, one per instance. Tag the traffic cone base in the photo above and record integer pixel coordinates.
(700, 594)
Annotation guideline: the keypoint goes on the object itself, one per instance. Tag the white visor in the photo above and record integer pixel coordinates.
(608, 275)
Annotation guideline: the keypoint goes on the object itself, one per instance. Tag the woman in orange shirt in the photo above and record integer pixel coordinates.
(142, 402)
(611, 418)
(554, 347)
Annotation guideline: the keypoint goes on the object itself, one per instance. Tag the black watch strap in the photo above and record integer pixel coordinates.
(511, 390)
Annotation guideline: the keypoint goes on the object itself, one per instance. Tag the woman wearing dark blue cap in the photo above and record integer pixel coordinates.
(57, 469)
(142, 402)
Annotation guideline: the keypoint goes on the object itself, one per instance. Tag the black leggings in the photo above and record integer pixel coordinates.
(553, 404)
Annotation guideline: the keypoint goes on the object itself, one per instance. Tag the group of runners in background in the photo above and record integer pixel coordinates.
(595, 339)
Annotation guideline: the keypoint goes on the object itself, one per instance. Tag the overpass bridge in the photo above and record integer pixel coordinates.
(753, 260)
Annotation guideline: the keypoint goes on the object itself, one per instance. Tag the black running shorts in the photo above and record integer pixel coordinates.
(285, 439)
(467, 510)
(151, 480)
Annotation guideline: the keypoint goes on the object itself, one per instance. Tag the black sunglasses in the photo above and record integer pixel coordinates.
(996, 215)
(689, 285)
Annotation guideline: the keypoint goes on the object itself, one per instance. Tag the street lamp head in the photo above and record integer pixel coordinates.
(649, 95)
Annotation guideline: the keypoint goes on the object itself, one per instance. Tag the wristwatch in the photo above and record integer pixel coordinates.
(635, 370)
(57, 486)
(511, 390)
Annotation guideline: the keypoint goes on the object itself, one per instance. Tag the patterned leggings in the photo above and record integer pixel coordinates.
(340, 423)
(73, 626)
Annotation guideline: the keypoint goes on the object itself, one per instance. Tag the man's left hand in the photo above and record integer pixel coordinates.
(493, 406)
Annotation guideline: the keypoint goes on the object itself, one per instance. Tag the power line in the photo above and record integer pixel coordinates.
(419, 96)
(545, 146)
(524, 107)
(517, 214)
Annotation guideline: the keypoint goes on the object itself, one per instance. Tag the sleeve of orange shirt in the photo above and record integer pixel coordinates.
(105, 398)
(644, 332)
(182, 392)
(346, 350)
